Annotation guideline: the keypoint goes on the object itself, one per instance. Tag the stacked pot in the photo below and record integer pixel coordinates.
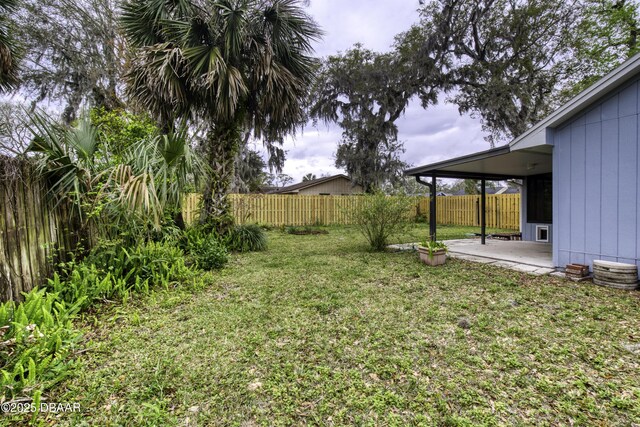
(615, 274)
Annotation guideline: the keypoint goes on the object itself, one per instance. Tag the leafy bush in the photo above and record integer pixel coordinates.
(379, 217)
(247, 238)
(37, 336)
(211, 254)
(121, 129)
(112, 272)
(158, 262)
(205, 248)
(154, 261)
(37, 342)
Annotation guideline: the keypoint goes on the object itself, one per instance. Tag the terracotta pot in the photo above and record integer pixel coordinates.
(438, 257)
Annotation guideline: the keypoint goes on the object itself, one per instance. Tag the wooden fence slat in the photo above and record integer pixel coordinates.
(503, 210)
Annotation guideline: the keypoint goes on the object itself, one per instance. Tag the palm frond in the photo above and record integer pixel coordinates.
(84, 139)
(233, 28)
(66, 159)
(10, 48)
(234, 63)
(139, 20)
(158, 79)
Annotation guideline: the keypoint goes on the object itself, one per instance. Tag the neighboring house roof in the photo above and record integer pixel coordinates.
(267, 189)
(510, 190)
(491, 190)
(503, 190)
(529, 153)
(295, 188)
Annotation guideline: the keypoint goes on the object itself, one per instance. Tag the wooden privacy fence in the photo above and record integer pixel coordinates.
(279, 209)
(503, 210)
(31, 230)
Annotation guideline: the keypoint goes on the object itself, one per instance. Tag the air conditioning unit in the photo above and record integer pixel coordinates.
(542, 233)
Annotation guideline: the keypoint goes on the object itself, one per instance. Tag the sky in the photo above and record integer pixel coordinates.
(430, 135)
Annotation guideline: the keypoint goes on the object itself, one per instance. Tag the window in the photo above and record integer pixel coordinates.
(539, 199)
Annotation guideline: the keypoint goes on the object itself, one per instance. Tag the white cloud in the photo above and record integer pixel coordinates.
(430, 135)
(373, 23)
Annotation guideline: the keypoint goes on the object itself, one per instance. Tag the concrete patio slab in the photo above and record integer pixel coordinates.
(528, 257)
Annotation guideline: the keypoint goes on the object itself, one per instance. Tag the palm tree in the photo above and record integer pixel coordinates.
(308, 177)
(9, 49)
(148, 182)
(237, 64)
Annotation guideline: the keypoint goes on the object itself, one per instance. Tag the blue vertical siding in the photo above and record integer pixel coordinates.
(596, 182)
(562, 174)
(627, 178)
(593, 162)
(609, 187)
(577, 165)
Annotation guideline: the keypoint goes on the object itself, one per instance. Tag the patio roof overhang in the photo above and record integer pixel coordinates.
(496, 164)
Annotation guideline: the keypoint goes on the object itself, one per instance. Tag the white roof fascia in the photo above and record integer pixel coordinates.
(538, 134)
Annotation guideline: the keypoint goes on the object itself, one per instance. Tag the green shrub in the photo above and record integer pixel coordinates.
(120, 129)
(247, 238)
(379, 217)
(211, 254)
(112, 272)
(158, 262)
(206, 249)
(191, 238)
(38, 340)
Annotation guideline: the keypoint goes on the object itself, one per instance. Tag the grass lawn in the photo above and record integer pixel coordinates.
(319, 331)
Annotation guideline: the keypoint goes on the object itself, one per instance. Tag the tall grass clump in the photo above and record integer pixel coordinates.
(247, 238)
(380, 217)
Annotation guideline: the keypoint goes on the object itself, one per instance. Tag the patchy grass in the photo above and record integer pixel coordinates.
(445, 232)
(317, 330)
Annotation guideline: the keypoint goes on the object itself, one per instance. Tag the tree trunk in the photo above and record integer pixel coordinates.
(223, 144)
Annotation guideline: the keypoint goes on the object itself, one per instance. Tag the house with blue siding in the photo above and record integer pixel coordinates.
(580, 168)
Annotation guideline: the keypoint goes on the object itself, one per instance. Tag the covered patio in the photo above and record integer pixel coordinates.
(497, 164)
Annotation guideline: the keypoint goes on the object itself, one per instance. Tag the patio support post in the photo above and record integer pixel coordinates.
(483, 213)
(432, 205)
(432, 210)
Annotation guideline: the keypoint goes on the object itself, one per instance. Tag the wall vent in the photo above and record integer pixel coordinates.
(542, 233)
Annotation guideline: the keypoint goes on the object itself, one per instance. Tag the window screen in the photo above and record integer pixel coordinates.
(539, 199)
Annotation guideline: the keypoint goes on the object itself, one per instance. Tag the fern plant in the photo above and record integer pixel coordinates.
(38, 339)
